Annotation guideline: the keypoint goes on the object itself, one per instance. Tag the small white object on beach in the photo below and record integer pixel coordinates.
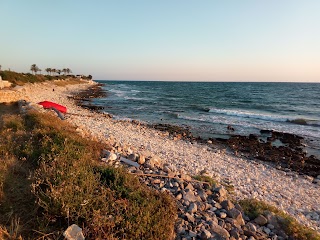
(73, 232)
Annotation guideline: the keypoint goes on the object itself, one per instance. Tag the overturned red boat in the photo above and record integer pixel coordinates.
(48, 104)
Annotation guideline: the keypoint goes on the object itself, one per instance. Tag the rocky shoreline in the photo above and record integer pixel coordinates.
(287, 190)
(284, 151)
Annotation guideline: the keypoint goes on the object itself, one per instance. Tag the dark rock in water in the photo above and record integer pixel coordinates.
(92, 107)
(95, 91)
(299, 121)
(176, 131)
(282, 149)
(222, 140)
(253, 137)
(266, 131)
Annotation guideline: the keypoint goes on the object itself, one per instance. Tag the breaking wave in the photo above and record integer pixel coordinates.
(262, 116)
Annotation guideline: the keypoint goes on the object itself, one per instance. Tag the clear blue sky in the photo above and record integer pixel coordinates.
(207, 40)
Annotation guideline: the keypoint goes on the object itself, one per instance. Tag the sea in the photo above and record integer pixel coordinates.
(208, 108)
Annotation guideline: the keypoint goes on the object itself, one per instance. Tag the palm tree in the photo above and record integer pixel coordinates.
(64, 71)
(69, 71)
(34, 68)
(48, 70)
(59, 71)
(53, 70)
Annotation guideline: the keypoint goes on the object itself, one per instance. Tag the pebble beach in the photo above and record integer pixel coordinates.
(295, 194)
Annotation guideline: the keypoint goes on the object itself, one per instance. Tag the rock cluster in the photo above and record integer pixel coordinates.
(204, 211)
(288, 155)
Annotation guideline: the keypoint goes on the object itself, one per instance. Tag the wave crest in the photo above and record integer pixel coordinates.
(266, 117)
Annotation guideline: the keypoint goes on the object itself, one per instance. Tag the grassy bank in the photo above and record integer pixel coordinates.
(50, 178)
(253, 208)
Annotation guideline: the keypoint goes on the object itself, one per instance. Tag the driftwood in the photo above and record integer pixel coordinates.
(167, 176)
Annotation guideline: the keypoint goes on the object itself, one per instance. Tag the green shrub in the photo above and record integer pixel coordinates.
(207, 179)
(295, 230)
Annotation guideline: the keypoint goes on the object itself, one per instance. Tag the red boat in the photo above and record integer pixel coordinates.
(48, 105)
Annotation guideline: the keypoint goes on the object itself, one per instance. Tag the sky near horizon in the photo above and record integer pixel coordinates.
(182, 40)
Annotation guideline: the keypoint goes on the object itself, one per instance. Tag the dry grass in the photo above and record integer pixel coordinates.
(63, 83)
(292, 228)
(51, 178)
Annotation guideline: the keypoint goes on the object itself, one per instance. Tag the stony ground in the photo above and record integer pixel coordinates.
(293, 193)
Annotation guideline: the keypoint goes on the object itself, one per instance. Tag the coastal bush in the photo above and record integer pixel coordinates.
(51, 177)
(207, 179)
(22, 78)
(253, 208)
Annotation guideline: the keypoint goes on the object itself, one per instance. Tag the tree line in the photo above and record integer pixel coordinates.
(34, 69)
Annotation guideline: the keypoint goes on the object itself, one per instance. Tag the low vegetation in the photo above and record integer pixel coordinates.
(50, 178)
(207, 179)
(253, 208)
(22, 78)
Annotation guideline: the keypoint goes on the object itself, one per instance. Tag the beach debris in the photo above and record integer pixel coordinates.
(110, 156)
(49, 105)
(73, 232)
(60, 115)
(129, 162)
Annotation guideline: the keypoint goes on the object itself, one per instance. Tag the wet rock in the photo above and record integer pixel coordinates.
(283, 149)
